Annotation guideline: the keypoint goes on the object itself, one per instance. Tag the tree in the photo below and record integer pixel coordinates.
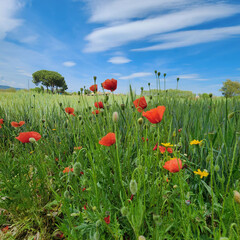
(230, 88)
(49, 79)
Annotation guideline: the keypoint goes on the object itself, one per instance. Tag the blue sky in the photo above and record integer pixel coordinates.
(196, 40)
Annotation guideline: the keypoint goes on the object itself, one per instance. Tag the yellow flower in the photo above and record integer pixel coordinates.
(167, 144)
(195, 142)
(54, 129)
(31, 152)
(203, 173)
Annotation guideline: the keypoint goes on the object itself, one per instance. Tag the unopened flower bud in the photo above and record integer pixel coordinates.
(77, 169)
(124, 211)
(231, 115)
(60, 104)
(133, 186)
(210, 95)
(122, 106)
(94, 208)
(175, 186)
(216, 168)
(140, 121)
(141, 238)
(150, 97)
(236, 196)
(115, 117)
(96, 236)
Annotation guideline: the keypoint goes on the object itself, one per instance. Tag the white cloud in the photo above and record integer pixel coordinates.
(136, 75)
(119, 60)
(8, 10)
(188, 38)
(24, 73)
(121, 10)
(105, 38)
(69, 64)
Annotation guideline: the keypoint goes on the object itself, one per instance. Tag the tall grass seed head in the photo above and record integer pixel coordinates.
(115, 117)
(133, 186)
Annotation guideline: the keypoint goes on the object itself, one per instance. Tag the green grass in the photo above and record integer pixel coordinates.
(36, 197)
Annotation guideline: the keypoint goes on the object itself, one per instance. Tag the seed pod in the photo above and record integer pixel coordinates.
(133, 186)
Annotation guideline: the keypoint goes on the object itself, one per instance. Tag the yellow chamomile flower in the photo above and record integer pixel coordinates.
(195, 142)
(167, 144)
(203, 173)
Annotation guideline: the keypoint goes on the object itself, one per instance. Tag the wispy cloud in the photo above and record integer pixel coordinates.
(8, 21)
(69, 64)
(122, 10)
(106, 38)
(119, 60)
(188, 38)
(136, 75)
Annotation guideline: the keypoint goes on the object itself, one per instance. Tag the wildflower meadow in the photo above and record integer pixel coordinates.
(160, 166)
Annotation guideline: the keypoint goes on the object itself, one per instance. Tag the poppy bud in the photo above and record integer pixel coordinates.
(231, 115)
(80, 117)
(124, 211)
(236, 196)
(33, 95)
(96, 236)
(77, 169)
(66, 194)
(210, 95)
(79, 101)
(94, 208)
(216, 168)
(156, 218)
(32, 140)
(141, 238)
(98, 223)
(133, 187)
(155, 135)
(115, 117)
(60, 104)
(150, 97)
(89, 108)
(175, 186)
(140, 121)
(174, 133)
(149, 84)
(122, 106)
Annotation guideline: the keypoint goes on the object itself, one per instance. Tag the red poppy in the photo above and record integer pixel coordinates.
(83, 189)
(78, 148)
(155, 147)
(5, 229)
(1, 121)
(70, 111)
(98, 105)
(25, 136)
(144, 139)
(173, 165)
(85, 207)
(162, 149)
(67, 170)
(108, 140)
(95, 112)
(140, 104)
(107, 219)
(16, 124)
(110, 84)
(155, 115)
(0, 126)
(169, 150)
(94, 88)
(179, 130)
